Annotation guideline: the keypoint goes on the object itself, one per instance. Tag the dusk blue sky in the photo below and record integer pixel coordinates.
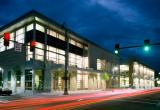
(104, 22)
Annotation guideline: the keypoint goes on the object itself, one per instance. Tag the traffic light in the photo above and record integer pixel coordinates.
(146, 45)
(6, 38)
(32, 45)
(116, 51)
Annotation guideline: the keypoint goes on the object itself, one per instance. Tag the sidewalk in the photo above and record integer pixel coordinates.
(57, 94)
(79, 92)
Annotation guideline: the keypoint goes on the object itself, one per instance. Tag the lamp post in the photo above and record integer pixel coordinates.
(66, 60)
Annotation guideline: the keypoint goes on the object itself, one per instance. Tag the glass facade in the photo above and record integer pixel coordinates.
(124, 76)
(2, 47)
(143, 77)
(39, 51)
(82, 81)
(20, 34)
(101, 64)
(55, 54)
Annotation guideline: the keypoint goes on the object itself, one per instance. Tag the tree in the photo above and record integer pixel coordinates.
(105, 76)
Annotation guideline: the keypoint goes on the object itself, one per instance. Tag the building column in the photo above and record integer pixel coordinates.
(33, 68)
(73, 83)
(13, 82)
(47, 79)
(5, 79)
(90, 82)
(23, 80)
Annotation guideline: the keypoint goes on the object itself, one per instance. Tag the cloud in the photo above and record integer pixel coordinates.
(122, 9)
(105, 22)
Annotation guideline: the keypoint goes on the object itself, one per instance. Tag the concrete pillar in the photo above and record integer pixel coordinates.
(47, 79)
(103, 84)
(5, 80)
(90, 83)
(33, 80)
(23, 81)
(13, 82)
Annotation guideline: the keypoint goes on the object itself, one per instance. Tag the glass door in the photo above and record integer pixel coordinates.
(39, 80)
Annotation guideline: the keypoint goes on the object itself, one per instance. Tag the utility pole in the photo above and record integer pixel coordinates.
(66, 60)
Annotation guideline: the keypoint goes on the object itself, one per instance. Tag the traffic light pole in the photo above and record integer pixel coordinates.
(135, 46)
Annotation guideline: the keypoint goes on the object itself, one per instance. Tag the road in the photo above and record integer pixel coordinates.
(126, 100)
(144, 102)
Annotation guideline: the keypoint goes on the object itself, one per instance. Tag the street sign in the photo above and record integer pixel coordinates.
(18, 47)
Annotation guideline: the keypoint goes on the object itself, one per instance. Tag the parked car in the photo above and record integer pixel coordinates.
(5, 91)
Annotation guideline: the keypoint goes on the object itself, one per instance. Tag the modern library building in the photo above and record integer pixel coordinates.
(24, 70)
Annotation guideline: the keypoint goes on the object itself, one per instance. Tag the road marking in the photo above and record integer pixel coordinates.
(137, 102)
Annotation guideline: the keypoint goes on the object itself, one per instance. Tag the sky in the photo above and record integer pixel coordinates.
(105, 22)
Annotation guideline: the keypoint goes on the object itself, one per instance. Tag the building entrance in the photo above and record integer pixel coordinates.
(39, 80)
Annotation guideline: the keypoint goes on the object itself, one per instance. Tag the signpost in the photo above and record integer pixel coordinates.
(18, 47)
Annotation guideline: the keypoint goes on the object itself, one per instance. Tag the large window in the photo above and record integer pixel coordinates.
(55, 34)
(39, 51)
(101, 64)
(55, 55)
(61, 37)
(20, 35)
(78, 44)
(82, 81)
(85, 62)
(78, 61)
(2, 47)
(51, 54)
(28, 79)
(39, 28)
(30, 27)
(61, 58)
(52, 33)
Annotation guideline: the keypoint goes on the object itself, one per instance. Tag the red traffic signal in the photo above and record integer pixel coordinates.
(6, 38)
(32, 45)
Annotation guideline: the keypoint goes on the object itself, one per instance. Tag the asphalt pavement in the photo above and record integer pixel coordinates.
(127, 99)
(143, 102)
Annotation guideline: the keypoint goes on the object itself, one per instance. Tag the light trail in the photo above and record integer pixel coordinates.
(70, 102)
(73, 105)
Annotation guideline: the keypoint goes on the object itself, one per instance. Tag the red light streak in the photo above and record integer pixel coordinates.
(71, 102)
